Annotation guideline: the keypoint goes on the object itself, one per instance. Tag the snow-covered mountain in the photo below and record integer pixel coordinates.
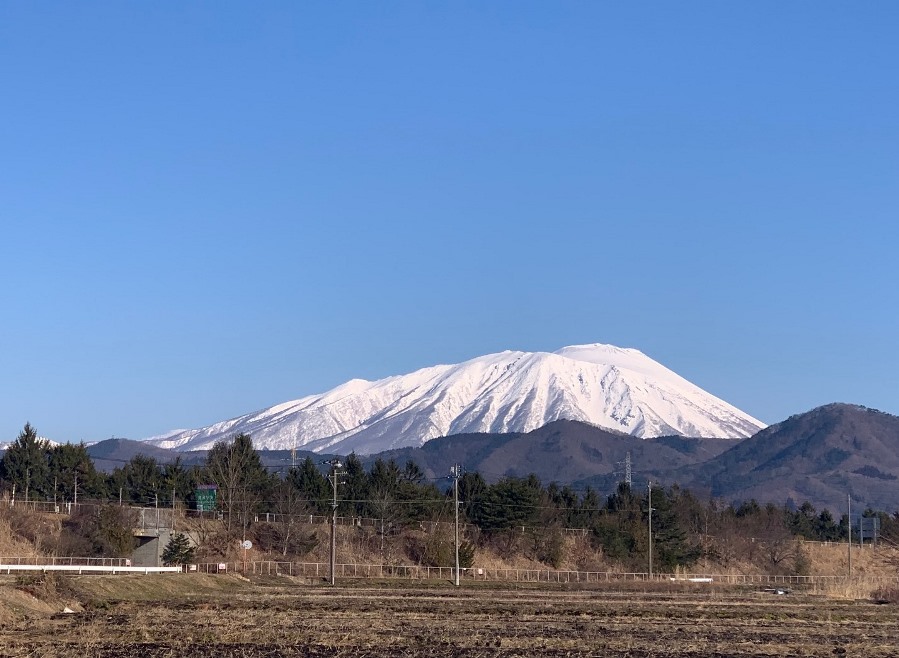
(611, 387)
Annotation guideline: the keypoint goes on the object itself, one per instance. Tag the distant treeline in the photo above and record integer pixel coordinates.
(684, 527)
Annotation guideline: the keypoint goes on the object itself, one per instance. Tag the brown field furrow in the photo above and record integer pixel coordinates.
(287, 618)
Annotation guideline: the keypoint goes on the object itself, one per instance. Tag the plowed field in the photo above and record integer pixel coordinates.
(284, 618)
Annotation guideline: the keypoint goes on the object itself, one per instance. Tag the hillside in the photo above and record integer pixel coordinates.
(563, 451)
(820, 456)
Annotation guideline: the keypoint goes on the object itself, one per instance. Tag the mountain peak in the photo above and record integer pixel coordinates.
(620, 389)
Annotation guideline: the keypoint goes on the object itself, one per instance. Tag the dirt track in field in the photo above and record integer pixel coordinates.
(284, 618)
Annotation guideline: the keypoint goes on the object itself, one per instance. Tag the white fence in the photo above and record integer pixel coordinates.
(79, 569)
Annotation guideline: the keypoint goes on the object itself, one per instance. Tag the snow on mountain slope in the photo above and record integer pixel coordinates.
(614, 388)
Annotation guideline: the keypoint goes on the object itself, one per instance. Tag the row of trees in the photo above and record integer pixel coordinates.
(32, 469)
(684, 527)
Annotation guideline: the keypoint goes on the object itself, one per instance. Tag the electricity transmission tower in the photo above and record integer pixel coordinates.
(627, 469)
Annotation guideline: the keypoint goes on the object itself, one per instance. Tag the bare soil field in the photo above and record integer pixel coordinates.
(228, 616)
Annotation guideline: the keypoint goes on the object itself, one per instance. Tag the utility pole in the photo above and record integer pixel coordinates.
(650, 529)
(849, 527)
(456, 471)
(76, 490)
(27, 484)
(335, 465)
(172, 528)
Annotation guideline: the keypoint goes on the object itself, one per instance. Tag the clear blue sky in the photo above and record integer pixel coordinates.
(211, 207)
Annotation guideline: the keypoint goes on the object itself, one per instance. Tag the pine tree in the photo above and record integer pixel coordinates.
(508, 503)
(312, 485)
(69, 464)
(670, 546)
(353, 491)
(143, 480)
(25, 465)
(178, 551)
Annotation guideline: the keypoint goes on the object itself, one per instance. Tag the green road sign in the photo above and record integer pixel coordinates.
(206, 497)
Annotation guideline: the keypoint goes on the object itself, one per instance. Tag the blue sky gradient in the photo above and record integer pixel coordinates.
(211, 207)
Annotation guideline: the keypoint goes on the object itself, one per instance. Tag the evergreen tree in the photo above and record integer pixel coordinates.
(143, 480)
(565, 504)
(384, 477)
(620, 527)
(353, 492)
(826, 528)
(179, 478)
(116, 483)
(70, 464)
(471, 487)
(178, 551)
(589, 509)
(670, 546)
(508, 503)
(412, 473)
(803, 521)
(312, 484)
(421, 502)
(25, 465)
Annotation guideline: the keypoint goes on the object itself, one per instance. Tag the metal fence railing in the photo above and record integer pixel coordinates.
(347, 571)
(418, 572)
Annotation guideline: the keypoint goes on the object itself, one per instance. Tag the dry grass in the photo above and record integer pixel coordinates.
(22, 533)
(224, 616)
(833, 559)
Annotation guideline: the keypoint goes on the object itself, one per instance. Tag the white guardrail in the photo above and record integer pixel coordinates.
(85, 568)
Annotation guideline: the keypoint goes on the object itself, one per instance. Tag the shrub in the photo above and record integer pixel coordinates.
(104, 531)
(552, 550)
(439, 550)
(276, 538)
(886, 594)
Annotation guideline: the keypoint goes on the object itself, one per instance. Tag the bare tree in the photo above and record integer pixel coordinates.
(289, 503)
(237, 470)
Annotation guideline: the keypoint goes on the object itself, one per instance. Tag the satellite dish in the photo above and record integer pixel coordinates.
(246, 544)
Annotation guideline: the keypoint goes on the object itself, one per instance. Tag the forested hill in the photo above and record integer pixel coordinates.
(821, 457)
(509, 515)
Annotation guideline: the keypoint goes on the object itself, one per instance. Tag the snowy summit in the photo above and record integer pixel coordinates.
(611, 387)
